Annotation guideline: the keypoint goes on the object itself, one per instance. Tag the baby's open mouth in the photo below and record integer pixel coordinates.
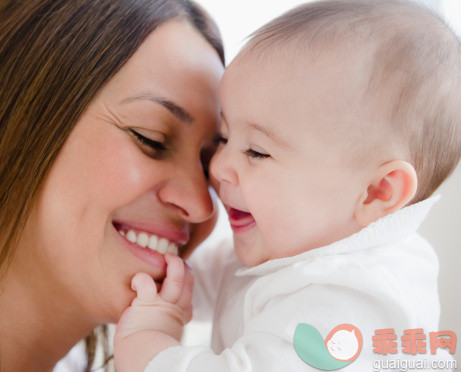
(240, 220)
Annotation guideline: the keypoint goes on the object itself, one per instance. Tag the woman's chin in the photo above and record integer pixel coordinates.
(119, 307)
(111, 307)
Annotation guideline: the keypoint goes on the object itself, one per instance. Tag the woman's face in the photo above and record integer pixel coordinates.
(132, 166)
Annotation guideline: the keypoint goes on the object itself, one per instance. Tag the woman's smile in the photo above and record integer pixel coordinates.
(151, 241)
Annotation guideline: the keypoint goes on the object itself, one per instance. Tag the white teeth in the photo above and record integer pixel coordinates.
(143, 240)
(163, 245)
(172, 249)
(131, 236)
(153, 242)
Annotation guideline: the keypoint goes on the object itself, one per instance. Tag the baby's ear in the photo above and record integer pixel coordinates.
(391, 187)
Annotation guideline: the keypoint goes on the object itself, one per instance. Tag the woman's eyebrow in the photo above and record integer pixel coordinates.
(179, 112)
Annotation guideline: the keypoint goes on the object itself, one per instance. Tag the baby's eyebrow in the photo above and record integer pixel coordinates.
(271, 135)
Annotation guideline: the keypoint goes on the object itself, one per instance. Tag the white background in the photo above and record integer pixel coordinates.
(239, 18)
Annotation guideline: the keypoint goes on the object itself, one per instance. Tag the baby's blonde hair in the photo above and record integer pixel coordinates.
(416, 66)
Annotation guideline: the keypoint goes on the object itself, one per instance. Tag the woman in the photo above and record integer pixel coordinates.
(108, 110)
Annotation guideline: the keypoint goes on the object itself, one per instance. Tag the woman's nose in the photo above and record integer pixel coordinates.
(222, 167)
(187, 191)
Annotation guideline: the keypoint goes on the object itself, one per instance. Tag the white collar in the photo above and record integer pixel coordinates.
(386, 230)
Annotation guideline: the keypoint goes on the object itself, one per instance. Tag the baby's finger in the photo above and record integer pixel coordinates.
(188, 314)
(173, 283)
(145, 287)
(187, 288)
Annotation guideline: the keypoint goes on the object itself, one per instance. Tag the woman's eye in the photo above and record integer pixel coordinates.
(205, 157)
(219, 139)
(255, 154)
(154, 145)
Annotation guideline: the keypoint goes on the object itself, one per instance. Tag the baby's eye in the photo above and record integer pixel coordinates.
(255, 154)
(156, 148)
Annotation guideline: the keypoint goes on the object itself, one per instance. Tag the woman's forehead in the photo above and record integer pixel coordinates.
(174, 62)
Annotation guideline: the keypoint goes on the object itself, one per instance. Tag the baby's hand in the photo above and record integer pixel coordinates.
(154, 321)
(166, 311)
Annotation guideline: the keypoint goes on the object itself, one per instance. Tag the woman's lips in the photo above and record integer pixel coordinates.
(175, 235)
(146, 254)
(240, 221)
(149, 256)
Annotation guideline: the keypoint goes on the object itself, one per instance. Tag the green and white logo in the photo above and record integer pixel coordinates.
(341, 347)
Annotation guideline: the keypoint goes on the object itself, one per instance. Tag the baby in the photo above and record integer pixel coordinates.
(339, 120)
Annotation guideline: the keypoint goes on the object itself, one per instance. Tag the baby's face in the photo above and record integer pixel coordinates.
(281, 169)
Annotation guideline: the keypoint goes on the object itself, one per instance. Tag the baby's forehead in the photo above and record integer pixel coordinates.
(338, 76)
(352, 61)
(333, 77)
(328, 91)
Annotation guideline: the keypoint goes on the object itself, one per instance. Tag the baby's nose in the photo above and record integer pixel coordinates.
(223, 168)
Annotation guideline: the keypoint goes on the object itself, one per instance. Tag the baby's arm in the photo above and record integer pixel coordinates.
(154, 321)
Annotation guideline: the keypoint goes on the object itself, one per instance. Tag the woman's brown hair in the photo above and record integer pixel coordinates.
(55, 56)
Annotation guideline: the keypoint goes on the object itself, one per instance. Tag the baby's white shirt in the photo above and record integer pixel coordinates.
(384, 276)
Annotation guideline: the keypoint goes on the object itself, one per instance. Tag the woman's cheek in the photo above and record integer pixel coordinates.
(120, 173)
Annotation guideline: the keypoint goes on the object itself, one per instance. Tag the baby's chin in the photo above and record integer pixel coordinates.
(249, 256)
